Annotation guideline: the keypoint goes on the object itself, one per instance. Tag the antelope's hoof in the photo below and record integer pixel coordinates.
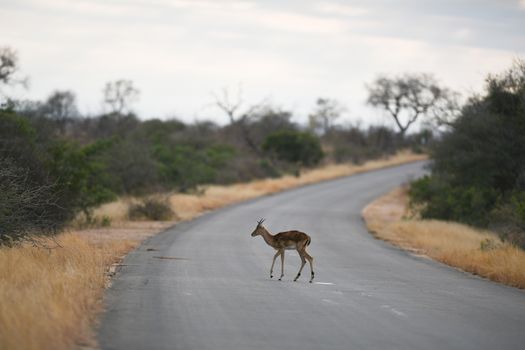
(280, 279)
(311, 281)
(271, 276)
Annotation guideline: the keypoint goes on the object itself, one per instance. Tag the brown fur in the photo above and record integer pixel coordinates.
(285, 241)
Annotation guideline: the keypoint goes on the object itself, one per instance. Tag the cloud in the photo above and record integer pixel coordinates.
(300, 23)
(207, 5)
(463, 34)
(178, 51)
(334, 8)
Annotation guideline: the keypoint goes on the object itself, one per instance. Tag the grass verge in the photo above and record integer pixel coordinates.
(476, 251)
(50, 298)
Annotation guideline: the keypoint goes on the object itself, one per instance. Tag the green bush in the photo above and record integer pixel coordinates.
(470, 205)
(294, 147)
(81, 179)
(185, 167)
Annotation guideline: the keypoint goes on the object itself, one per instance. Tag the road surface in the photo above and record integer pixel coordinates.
(205, 284)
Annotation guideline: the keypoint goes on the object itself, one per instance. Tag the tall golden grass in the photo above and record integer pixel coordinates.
(49, 299)
(476, 251)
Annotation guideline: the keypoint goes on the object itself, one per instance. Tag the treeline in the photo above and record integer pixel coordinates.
(478, 168)
(56, 163)
(56, 167)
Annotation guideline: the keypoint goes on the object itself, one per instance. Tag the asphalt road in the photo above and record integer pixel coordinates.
(205, 284)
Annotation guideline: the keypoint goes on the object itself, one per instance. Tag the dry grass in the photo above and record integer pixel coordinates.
(49, 299)
(476, 251)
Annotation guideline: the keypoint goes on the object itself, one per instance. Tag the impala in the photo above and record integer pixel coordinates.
(287, 240)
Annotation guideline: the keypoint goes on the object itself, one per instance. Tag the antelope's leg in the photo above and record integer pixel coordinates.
(282, 264)
(273, 263)
(303, 262)
(310, 260)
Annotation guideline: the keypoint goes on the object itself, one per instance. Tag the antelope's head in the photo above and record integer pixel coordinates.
(258, 228)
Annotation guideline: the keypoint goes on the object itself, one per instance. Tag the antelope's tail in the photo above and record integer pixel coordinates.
(308, 241)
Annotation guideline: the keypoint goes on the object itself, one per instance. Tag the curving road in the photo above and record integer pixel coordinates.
(205, 284)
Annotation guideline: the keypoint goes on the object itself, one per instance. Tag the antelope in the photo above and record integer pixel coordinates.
(287, 240)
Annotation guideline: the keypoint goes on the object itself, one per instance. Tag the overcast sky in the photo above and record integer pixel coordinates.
(178, 52)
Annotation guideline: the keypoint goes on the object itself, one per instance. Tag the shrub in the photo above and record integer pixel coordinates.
(45, 181)
(81, 178)
(508, 219)
(471, 205)
(294, 147)
(151, 209)
(29, 198)
(26, 207)
(185, 167)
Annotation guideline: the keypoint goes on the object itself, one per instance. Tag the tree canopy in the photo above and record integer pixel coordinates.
(478, 169)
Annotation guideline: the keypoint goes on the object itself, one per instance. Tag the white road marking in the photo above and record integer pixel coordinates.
(394, 311)
(397, 312)
(330, 301)
(325, 283)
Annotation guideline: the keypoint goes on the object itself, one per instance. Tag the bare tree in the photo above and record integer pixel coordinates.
(60, 106)
(24, 205)
(326, 112)
(9, 68)
(230, 107)
(446, 109)
(8, 64)
(238, 119)
(119, 95)
(406, 98)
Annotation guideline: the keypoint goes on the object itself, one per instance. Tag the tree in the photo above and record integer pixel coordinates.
(228, 106)
(8, 69)
(119, 95)
(60, 106)
(8, 64)
(406, 98)
(239, 120)
(323, 118)
(447, 109)
(267, 120)
(478, 167)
